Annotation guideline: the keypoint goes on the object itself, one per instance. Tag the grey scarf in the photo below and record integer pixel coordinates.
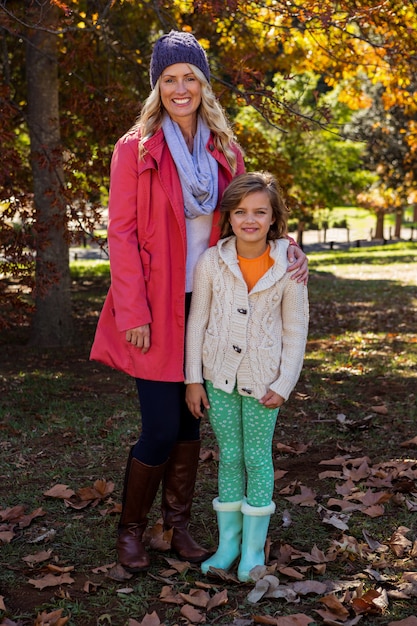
(198, 172)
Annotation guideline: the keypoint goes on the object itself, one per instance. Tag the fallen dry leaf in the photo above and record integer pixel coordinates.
(178, 566)
(346, 489)
(366, 603)
(118, 572)
(298, 619)
(222, 574)
(357, 474)
(316, 556)
(279, 473)
(196, 597)
(103, 569)
(291, 572)
(90, 586)
(398, 542)
(219, 599)
(170, 596)
(331, 474)
(51, 619)
(194, 616)
(158, 538)
(125, 590)
(12, 514)
(6, 536)
(370, 498)
(50, 580)
(307, 497)
(58, 569)
(265, 619)
(150, 619)
(374, 511)
(99, 491)
(258, 592)
(31, 559)
(59, 491)
(309, 586)
(411, 443)
(381, 409)
(334, 518)
(334, 607)
(296, 448)
(337, 460)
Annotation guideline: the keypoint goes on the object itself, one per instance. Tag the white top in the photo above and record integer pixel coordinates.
(198, 238)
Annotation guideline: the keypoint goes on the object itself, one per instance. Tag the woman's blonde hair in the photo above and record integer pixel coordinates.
(150, 119)
(243, 186)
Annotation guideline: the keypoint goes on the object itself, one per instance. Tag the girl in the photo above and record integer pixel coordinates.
(246, 337)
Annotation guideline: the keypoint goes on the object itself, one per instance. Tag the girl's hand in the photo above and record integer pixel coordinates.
(140, 337)
(298, 263)
(196, 399)
(272, 400)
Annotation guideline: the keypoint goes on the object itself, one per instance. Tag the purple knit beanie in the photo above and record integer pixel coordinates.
(177, 47)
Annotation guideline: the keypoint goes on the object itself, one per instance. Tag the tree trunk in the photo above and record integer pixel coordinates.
(399, 214)
(379, 229)
(52, 321)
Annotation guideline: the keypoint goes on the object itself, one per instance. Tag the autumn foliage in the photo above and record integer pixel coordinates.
(320, 74)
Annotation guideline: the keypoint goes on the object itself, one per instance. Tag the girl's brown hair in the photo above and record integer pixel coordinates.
(248, 183)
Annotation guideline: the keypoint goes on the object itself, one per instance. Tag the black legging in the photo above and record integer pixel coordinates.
(165, 417)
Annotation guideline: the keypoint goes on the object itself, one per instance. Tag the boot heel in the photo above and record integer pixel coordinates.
(141, 486)
(177, 496)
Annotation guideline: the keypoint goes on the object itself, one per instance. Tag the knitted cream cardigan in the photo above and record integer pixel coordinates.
(255, 341)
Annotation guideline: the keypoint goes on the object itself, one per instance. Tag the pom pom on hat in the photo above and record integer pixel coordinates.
(177, 47)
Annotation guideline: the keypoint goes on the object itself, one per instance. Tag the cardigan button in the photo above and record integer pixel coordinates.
(246, 390)
(243, 311)
(211, 147)
(237, 349)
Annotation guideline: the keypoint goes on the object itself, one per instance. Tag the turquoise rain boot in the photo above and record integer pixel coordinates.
(255, 530)
(229, 520)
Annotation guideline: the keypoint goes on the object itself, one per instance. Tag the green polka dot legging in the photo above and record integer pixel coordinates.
(244, 429)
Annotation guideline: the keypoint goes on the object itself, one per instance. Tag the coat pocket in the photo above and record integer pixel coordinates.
(210, 348)
(269, 359)
(145, 258)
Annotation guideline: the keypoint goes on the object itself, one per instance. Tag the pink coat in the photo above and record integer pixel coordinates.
(147, 245)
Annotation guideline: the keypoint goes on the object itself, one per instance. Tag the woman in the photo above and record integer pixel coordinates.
(168, 174)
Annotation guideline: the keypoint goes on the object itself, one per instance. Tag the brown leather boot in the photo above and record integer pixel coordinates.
(177, 495)
(140, 488)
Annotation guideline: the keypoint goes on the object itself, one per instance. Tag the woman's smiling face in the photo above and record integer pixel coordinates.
(180, 92)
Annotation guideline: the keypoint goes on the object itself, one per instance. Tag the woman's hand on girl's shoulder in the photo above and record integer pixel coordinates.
(196, 399)
(298, 264)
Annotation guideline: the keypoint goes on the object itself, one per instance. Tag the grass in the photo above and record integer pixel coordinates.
(361, 221)
(66, 420)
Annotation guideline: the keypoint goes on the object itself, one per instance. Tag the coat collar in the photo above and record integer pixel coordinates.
(227, 252)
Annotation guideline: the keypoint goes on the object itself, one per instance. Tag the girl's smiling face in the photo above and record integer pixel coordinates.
(180, 92)
(250, 222)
